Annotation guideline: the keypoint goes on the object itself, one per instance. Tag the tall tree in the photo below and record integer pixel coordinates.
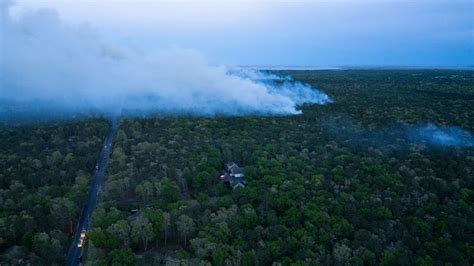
(166, 225)
(145, 190)
(142, 231)
(121, 230)
(186, 227)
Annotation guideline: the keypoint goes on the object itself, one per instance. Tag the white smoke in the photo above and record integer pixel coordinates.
(44, 60)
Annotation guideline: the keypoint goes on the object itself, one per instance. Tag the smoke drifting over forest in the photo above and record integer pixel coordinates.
(70, 67)
(398, 136)
(443, 136)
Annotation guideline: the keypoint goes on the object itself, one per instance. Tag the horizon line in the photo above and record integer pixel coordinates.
(348, 67)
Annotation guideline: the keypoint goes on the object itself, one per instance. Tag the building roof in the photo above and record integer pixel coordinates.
(237, 170)
(230, 165)
(234, 175)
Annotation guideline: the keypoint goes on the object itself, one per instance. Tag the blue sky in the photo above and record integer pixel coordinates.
(305, 33)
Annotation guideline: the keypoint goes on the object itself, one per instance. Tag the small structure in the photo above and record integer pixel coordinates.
(233, 176)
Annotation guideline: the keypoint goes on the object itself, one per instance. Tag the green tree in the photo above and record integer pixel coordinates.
(121, 230)
(63, 209)
(145, 190)
(121, 257)
(170, 191)
(185, 226)
(142, 231)
(157, 220)
(166, 225)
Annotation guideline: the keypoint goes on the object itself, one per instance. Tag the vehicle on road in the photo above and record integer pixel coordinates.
(83, 233)
(81, 243)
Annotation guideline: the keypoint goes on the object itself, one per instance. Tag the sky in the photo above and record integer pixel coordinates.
(431, 33)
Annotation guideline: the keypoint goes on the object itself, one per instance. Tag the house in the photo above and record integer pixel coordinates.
(230, 165)
(233, 176)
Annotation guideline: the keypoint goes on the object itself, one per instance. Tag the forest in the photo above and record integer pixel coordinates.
(347, 183)
(44, 173)
(341, 184)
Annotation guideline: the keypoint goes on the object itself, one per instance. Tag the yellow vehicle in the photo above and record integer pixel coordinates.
(83, 233)
(81, 243)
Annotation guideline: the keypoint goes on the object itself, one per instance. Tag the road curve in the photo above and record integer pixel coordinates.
(74, 255)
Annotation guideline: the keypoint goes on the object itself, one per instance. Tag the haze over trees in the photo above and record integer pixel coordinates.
(345, 183)
(340, 184)
(343, 166)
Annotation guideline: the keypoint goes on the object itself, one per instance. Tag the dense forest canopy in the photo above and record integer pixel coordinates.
(44, 175)
(365, 180)
(344, 183)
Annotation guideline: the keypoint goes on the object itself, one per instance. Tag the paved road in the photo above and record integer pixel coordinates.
(75, 253)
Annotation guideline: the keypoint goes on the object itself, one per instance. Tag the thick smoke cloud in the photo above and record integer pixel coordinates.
(45, 61)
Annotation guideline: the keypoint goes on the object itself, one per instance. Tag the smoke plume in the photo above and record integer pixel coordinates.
(45, 62)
